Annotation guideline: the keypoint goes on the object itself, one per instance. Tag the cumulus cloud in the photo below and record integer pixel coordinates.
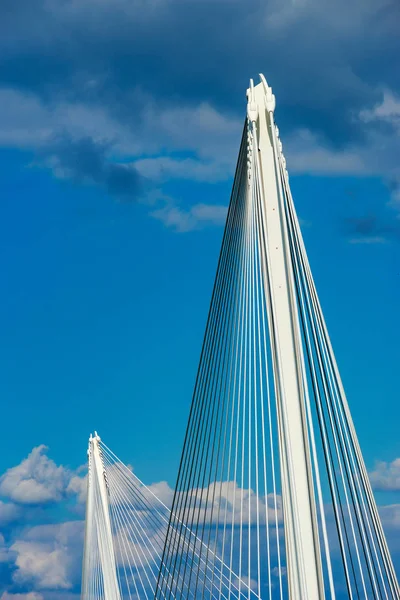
(9, 512)
(78, 486)
(46, 558)
(6, 555)
(49, 556)
(229, 495)
(37, 556)
(386, 476)
(163, 492)
(36, 480)
(44, 567)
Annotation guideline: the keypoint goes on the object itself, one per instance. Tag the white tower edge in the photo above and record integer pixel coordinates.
(88, 541)
(98, 529)
(305, 578)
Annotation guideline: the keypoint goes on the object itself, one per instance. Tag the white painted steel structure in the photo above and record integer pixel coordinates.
(302, 544)
(99, 544)
(126, 525)
(272, 499)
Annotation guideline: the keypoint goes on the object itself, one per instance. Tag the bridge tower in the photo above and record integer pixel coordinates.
(271, 475)
(300, 520)
(99, 553)
(272, 499)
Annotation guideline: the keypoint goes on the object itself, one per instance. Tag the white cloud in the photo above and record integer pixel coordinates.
(9, 512)
(27, 596)
(92, 93)
(386, 475)
(374, 239)
(49, 556)
(36, 480)
(27, 122)
(230, 497)
(387, 110)
(201, 128)
(390, 516)
(46, 568)
(305, 153)
(163, 492)
(78, 486)
(196, 217)
(212, 213)
(211, 138)
(162, 168)
(6, 555)
(376, 155)
(225, 494)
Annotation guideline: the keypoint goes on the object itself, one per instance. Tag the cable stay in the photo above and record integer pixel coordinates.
(271, 480)
(272, 499)
(126, 524)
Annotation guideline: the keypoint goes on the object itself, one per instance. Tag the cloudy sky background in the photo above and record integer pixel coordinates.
(119, 129)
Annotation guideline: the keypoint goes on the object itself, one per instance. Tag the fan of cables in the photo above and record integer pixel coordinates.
(229, 492)
(126, 524)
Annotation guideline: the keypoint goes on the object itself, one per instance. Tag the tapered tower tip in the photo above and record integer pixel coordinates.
(263, 80)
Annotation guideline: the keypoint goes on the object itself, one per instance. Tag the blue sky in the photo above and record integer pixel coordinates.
(119, 127)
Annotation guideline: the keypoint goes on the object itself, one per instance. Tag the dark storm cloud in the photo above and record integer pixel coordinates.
(325, 61)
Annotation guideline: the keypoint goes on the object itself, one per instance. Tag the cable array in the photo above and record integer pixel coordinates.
(138, 522)
(229, 490)
(272, 498)
(228, 487)
(355, 530)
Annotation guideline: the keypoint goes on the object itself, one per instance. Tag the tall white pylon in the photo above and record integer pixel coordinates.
(300, 522)
(272, 500)
(99, 542)
(271, 472)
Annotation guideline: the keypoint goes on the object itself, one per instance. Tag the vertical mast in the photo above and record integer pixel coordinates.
(305, 577)
(98, 526)
(88, 542)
